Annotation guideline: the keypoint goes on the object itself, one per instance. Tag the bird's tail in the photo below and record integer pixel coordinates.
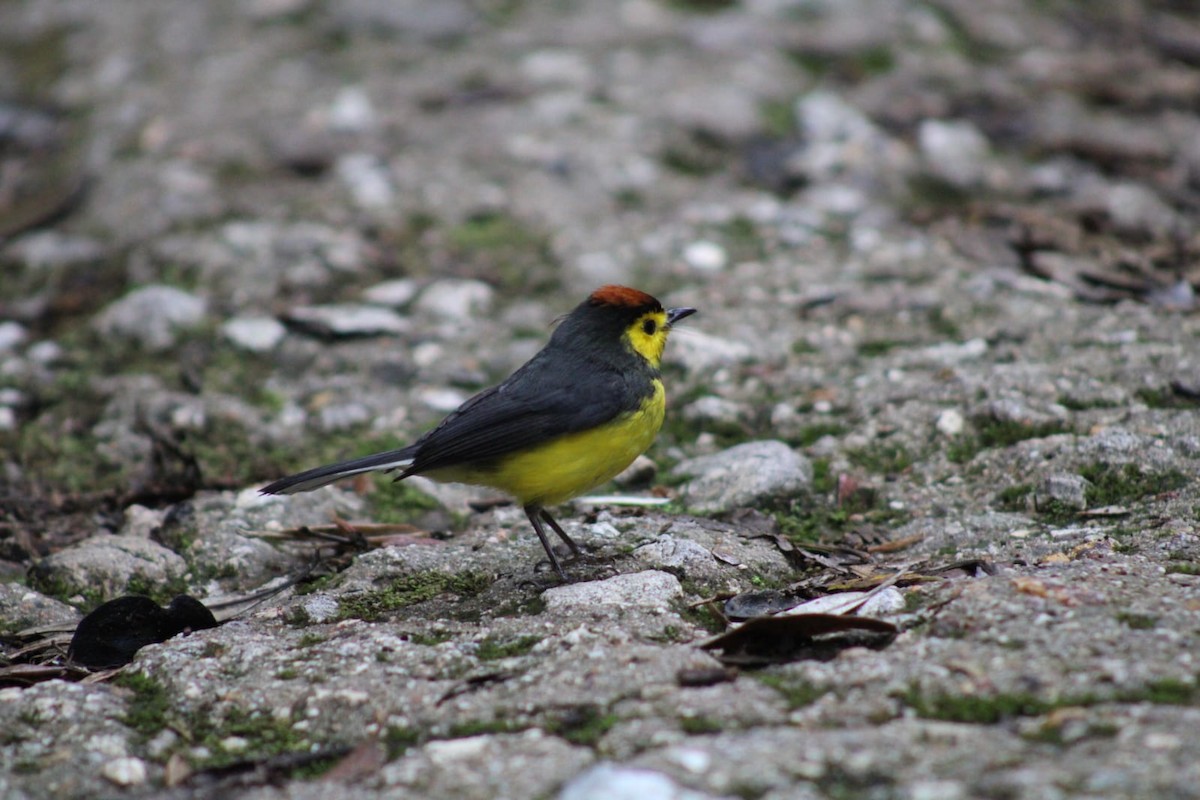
(319, 476)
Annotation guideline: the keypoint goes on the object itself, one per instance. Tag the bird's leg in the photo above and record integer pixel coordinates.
(561, 533)
(535, 513)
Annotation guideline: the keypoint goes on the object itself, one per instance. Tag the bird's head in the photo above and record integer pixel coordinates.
(618, 316)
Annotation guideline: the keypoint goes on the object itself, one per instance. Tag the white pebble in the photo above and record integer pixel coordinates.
(705, 256)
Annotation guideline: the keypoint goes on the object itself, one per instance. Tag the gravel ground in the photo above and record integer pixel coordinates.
(945, 256)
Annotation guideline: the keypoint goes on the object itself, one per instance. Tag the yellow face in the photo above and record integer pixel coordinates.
(647, 336)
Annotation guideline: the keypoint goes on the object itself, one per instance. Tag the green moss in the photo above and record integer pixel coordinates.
(991, 433)
(1138, 622)
(1056, 512)
(806, 523)
(1117, 484)
(583, 725)
(696, 154)
(493, 648)
(705, 616)
(146, 711)
(796, 692)
(842, 65)
(878, 347)
(462, 730)
(521, 607)
(410, 590)
(398, 503)
(399, 739)
(824, 481)
(703, 6)
(1014, 498)
(505, 251)
(265, 736)
(778, 118)
(1184, 568)
(309, 640)
(699, 725)
(882, 458)
(1165, 397)
(810, 434)
(990, 709)
(979, 709)
(429, 639)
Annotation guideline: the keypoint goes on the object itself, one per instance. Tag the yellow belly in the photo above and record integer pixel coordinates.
(570, 465)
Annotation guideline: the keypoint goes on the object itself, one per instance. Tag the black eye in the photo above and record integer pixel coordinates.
(649, 327)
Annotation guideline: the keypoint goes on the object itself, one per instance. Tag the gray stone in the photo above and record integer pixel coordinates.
(256, 334)
(425, 20)
(22, 607)
(152, 316)
(105, 566)
(649, 589)
(955, 151)
(712, 409)
(348, 320)
(50, 248)
(743, 476)
(528, 764)
(1062, 489)
(456, 300)
(12, 334)
(700, 352)
(396, 293)
(615, 782)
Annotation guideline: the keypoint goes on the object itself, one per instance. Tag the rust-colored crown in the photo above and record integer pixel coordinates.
(622, 297)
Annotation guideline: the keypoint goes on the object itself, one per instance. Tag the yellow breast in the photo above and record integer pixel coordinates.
(571, 465)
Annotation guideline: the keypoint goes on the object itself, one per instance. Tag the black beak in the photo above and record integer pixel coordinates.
(676, 314)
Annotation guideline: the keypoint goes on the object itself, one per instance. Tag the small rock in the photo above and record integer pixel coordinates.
(367, 178)
(106, 566)
(50, 248)
(950, 422)
(394, 294)
(705, 256)
(955, 152)
(1062, 489)
(648, 589)
(423, 20)
(1135, 208)
(456, 300)
(153, 316)
(351, 110)
(141, 521)
(613, 782)
(553, 67)
(700, 352)
(321, 607)
(44, 352)
(128, 771)
(12, 334)
(22, 607)
(726, 111)
(744, 475)
(348, 320)
(711, 409)
(256, 334)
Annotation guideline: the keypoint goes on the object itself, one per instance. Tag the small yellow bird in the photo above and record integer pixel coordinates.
(571, 418)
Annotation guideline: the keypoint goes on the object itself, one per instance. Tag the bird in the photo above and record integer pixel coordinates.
(569, 419)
